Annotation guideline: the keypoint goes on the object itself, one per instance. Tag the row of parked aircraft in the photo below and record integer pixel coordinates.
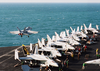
(58, 42)
(44, 60)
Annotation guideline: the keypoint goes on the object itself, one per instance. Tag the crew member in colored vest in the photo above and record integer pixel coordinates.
(79, 53)
(85, 48)
(97, 54)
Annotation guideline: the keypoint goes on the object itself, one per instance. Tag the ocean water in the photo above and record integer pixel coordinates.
(45, 18)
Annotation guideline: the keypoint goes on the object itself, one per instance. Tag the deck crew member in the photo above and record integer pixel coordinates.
(85, 47)
(41, 68)
(79, 53)
(72, 55)
(67, 60)
(97, 52)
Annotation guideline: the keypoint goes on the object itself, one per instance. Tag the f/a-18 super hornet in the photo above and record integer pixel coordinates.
(27, 31)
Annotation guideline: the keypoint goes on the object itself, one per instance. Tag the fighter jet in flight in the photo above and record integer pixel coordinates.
(27, 31)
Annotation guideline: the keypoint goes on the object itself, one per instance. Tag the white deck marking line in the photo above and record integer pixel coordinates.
(5, 59)
(9, 52)
(10, 55)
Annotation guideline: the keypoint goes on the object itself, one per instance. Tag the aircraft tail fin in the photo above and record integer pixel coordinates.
(85, 26)
(25, 29)
(16, 55)
(56, 33)
(18, 29)
(48, 43)
(81, 28)
(57, 36)
(31, 47)
(78, 29)
(36, 49)
(28, 28)
(71, 29)
(53, 38)
(49, 40)
(85, 29)
(25, 50)
(97, 27)
(62, 34)
(48, 37)
(67, 31)
(43, 41)
(90, 26)
(40, 45)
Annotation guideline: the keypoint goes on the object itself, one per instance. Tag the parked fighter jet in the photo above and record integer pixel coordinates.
(72, 35)
(97, 27)
(96, 61)
(69, 40)
(64, 46)
(45, 61)
(79, 33)
(27, 31)
(90, 29)
(54, 52)
(73, 38)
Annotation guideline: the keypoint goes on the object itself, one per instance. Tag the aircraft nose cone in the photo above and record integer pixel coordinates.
(78, 39)
(59, 55)
(55, 65)
(91, 62)
(72, 48)
(88, 62)
(78, 43)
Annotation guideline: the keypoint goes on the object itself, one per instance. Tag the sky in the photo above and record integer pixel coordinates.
(52, 1)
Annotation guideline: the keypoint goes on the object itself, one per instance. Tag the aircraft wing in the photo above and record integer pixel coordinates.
(26, 58)
(37, 57)
(33, 32)
(61, 49)
(14, 32)
(96, 61)
(43, 50)
(30, 58)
